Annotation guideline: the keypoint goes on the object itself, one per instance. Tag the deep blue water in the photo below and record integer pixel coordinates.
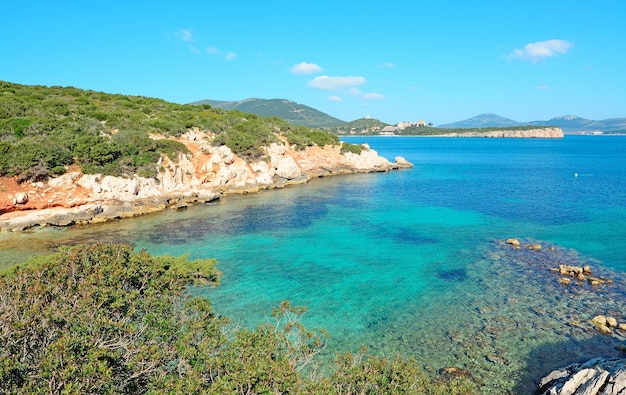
(409, 261)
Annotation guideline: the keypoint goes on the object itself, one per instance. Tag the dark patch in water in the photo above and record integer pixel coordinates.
(454, 275)
(256, 219)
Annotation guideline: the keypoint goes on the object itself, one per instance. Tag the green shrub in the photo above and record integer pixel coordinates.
(105, 319)
(354, 148)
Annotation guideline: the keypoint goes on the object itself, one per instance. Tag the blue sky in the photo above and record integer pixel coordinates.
(439, 61)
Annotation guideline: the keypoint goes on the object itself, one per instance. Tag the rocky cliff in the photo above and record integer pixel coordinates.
(551, 132)
(200, 176)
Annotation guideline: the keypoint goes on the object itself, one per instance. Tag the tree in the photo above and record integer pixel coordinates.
(105, 319)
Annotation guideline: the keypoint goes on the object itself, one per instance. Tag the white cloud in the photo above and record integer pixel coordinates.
(213, 51)
(387, 65)
(373, 96)
(334, 98)
(184, 35)
(542, 49)
(230, 56)
(331, 83)
(542, 87)
(305, 68)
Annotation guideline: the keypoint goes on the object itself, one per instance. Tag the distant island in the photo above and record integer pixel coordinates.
(373, 127)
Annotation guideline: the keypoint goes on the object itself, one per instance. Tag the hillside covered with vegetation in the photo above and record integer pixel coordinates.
(104, 319)
(292, 112)
(44, 130)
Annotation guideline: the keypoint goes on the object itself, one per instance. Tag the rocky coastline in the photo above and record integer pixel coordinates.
(550, 132)
(201, 176)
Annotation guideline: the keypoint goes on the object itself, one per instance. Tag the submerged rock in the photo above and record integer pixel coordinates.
(596, 376)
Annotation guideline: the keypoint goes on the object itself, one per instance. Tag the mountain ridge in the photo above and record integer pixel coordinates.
(290, 111)
(568, 123)
(300, 114)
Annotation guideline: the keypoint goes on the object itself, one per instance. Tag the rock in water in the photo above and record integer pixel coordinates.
(602, 376)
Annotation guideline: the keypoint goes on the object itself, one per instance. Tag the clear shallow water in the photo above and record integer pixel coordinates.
(407, 262)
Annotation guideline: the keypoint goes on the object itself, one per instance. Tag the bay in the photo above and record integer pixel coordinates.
(412, 262)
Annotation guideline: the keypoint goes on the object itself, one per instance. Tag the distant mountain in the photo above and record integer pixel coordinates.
(568, 123)
(292, 112)
(483, 121)
(573, 124)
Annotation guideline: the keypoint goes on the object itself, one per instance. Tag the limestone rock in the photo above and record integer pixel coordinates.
(402, 162)
(596, 376)
(599, 320)
(199, 175)
(548, 132)
(286, 167)
(513, 242)
(611, 322)
(20, 198)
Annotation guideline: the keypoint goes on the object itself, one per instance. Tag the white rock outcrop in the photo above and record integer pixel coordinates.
(199, 176)
(597, 376)
(549, 132)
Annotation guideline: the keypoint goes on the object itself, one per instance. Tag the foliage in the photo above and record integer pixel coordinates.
(294, 113)
(354, 148)
(43, 130)
(302, 137)
(360, 126)
(105, 319)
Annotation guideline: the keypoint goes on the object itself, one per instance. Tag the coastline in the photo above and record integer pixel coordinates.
(202, 176)
(548, 132)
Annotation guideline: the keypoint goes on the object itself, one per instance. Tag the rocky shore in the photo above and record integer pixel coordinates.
(201, 176)
(551, 132)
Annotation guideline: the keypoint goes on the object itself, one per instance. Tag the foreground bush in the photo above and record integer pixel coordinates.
(105, 319)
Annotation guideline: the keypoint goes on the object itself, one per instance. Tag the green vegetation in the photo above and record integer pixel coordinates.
(43, 130)
(367, 125)
(292, 112)
(105, 319)
(354, 148)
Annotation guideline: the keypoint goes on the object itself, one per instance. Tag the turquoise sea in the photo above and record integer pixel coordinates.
(412, 262)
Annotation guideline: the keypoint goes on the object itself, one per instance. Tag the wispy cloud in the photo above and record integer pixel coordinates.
(213, 51)
(334, 98)
(542, 87)
(184, 35)
(373, 96)
(387, 65)
(333, 83)
(305, 68)
(534, 52)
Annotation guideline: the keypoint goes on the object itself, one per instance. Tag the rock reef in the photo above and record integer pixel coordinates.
(596, 376)
(200, 176)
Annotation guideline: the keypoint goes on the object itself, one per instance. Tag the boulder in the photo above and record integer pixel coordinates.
(21, 198)
(596, 376)
(513, 242)
(599, 320)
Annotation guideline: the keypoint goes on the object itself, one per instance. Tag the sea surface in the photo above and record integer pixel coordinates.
(413, 262)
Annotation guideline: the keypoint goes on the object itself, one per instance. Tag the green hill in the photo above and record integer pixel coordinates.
(44, 130)
(292, 112)
(360, 126)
